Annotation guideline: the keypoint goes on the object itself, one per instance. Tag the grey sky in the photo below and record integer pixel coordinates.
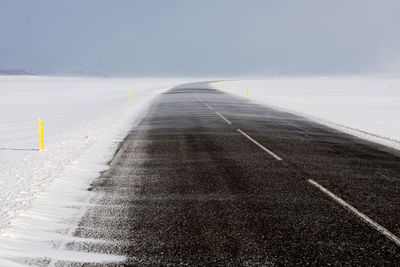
(204, 37)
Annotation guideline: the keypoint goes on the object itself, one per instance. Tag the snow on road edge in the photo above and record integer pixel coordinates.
(38, 235)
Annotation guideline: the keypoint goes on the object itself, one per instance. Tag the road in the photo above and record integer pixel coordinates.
(208, 178)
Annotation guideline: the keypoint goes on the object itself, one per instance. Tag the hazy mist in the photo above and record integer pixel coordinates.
(207, 37)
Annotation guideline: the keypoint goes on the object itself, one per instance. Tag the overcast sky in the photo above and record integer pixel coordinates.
(200, 37)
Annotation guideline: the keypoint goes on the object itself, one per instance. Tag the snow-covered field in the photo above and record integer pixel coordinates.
(368, 107)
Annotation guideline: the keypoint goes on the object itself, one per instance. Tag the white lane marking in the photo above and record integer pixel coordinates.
(201, 100)
(363, 217)
(210, 107)
(225, 119)
(207, 105)
(204, 103)
(260, 145)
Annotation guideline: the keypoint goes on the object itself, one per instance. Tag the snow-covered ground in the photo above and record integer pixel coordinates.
(368, 107)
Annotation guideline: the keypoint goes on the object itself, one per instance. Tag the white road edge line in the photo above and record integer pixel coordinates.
(260, 145)
(222, 117)
(363, 217)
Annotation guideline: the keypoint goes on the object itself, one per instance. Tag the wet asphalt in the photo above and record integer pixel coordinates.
(186, 188)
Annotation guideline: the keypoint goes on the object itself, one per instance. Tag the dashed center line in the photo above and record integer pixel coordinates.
(201, 100)
(210, 107)
(225, 119)
(260, 145)
(358, 213)
(240, 131)
(207, 105)
(337, 199)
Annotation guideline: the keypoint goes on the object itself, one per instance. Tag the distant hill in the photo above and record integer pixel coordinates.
(78, 73)
(16, 72)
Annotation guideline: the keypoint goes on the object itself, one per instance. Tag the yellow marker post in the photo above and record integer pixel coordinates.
(156, 87)
(227, 88)
(130, 94)
(247, 91)
(41, 143)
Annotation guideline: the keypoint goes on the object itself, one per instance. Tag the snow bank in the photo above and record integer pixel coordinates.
(367, 107)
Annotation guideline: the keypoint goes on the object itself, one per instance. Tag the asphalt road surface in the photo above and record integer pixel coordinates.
(208, 178)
